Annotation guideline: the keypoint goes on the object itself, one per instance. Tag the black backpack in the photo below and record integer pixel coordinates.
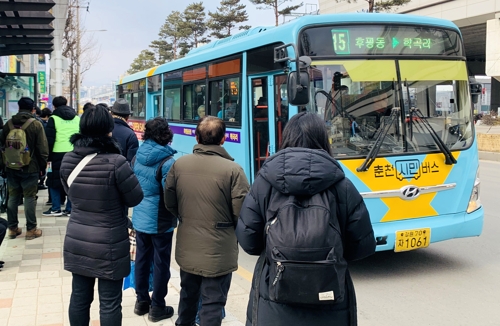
(305, 253)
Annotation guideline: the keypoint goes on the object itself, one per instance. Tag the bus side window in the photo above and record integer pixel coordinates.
(172, 103)
(194, 97)
(225, 100)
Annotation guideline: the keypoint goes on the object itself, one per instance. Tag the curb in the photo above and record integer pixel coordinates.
(489, 156)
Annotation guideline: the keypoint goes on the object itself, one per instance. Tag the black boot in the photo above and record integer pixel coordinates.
(141, 307)
(159, 313)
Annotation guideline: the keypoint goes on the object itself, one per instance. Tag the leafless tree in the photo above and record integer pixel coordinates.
(87, 56)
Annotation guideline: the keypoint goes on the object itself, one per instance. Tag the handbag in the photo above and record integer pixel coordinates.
(129, 281)
(133, 246)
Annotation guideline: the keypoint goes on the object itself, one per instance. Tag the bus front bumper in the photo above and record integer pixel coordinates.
(443, 227)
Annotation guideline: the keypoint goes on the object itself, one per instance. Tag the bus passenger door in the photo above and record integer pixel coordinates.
(281, 107)
(262, 116)
(156, 106)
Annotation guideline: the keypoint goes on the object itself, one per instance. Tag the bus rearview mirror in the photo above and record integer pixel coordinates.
(298, 88)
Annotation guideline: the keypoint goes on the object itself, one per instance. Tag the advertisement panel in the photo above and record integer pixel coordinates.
(41, 81)
(12, 63)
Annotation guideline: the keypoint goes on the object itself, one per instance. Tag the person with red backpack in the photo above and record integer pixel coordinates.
(24, 154)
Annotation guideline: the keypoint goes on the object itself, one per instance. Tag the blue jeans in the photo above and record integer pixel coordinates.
(55, 193)
(82, 295)
(155, 248)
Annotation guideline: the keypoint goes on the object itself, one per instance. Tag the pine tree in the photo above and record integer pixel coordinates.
(275, 5)
(146, 59)
(162, 50)
(175, 31)
(224, 20)
(195, 21)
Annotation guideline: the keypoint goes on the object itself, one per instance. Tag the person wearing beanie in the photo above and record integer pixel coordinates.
(123, 132)
(24, 180)
(96, 245)
(63, 123)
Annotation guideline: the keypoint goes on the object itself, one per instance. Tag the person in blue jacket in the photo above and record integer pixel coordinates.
(154, 225)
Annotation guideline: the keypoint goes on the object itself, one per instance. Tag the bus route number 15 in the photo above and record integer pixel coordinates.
(341, 41)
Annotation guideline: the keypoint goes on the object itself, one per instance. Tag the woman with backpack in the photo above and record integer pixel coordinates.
(154, 225)
(306, 220)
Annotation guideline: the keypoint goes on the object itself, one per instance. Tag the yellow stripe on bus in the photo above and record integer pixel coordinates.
(365, 70)
(413, 70)
(151, 72)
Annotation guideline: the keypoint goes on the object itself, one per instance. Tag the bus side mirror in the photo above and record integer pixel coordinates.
(337, 77)
(475, 91)
(298, 88)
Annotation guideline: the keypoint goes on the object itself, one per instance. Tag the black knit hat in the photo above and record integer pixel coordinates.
(26, 104)
(121, 106)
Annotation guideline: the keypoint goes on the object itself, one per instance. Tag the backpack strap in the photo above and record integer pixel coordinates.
(159, 173)
(27, 123)
(23, 127)
(76, 171)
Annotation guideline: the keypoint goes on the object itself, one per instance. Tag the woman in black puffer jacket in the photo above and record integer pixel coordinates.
(303, 168)
(97, 243)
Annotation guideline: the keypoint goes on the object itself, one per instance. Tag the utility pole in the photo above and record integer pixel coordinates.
(78, 57)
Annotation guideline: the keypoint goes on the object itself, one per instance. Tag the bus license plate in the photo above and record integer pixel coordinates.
(412, 239)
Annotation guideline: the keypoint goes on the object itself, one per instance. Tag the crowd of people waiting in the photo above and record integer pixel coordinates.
(96, 163)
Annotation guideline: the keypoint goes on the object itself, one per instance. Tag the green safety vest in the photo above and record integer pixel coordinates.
(64, 130)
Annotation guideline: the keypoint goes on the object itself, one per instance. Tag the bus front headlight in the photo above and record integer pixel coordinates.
(475, 201)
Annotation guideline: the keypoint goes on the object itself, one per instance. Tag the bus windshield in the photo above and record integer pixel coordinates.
(359, 99)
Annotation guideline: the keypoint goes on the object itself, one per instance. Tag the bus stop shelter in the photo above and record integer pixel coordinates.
(25, 28)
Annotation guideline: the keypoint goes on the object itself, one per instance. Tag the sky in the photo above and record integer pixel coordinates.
(131, 25)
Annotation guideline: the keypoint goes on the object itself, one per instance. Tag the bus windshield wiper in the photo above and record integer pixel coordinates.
(421, 120)
(330, 99)
(370, 158)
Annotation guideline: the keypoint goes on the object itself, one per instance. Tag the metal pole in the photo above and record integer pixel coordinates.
(77, 109)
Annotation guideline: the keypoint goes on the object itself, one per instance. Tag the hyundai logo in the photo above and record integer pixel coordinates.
(410, 192)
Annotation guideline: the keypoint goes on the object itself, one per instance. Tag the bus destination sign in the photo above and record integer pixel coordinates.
(380, 40)
(353, 41)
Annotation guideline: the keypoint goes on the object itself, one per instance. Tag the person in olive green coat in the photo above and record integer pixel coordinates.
(205, 190)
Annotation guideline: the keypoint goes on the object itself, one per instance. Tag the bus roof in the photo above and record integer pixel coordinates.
(286, 33)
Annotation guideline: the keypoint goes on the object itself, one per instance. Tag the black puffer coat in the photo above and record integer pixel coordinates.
(96, 242)
(126, 138)
(300, 171)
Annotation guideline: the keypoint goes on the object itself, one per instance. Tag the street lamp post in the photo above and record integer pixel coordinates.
(78, 54)
(78, 61)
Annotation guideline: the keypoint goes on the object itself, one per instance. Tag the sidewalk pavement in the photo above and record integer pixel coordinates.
(484, 129)
(35, 289)
(488, 130)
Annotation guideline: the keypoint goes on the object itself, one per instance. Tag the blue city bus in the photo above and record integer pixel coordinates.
(392, 89)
